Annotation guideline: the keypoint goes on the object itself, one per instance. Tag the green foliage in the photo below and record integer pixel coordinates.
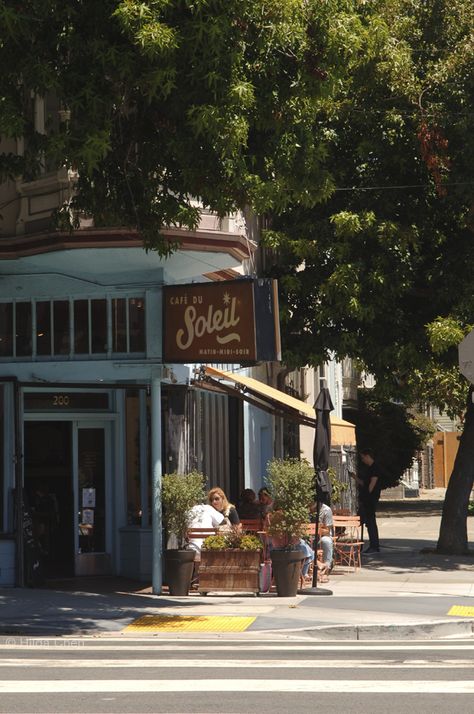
(172, 99)
(388, 429)
(423, 426)
(179, 493)
(291, 482)
(380, 271)
(338, 487)
(445, 333)
(232, 540)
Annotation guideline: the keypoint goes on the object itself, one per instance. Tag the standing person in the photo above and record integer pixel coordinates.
(369, 493)
(218, 500)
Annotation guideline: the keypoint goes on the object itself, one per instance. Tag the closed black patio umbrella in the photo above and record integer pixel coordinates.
(321, 450)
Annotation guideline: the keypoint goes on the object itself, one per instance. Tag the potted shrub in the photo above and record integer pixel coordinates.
(230, 562)
(179, 493)
(291, 483)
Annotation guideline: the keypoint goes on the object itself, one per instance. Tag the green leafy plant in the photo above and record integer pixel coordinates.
(291, 482)
(232, 540)
(470, 508)
(179, 493)
(337, 486)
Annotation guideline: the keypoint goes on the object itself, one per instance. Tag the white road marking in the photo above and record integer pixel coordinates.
(237, 685)
(75, 663)
(41, 644)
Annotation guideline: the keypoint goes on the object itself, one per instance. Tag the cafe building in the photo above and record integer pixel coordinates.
(91, 412)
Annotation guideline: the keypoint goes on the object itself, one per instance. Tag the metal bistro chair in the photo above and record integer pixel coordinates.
(348, 541)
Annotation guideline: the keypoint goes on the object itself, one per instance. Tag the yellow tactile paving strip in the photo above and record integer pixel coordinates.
(461, 610)
(183, 623)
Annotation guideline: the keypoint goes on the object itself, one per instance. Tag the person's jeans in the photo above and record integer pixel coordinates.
(367, 516)
(327, 546)
(308, 554)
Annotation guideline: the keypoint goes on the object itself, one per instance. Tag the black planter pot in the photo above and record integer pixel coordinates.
(179, 566)
(286, 569)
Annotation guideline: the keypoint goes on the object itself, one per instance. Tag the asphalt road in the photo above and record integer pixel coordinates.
(222, 675)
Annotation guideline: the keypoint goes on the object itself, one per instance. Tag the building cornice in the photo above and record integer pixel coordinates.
(236, 245)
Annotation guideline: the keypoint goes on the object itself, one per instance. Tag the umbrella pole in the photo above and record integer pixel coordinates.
(314, 590)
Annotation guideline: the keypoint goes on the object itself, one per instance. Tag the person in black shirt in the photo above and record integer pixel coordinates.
(369, 485)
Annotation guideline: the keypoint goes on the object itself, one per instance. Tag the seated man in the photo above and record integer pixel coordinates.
(203, 516)
(327, 531)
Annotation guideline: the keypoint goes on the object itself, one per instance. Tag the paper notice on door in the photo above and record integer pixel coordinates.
(87, 517)
(88, 497)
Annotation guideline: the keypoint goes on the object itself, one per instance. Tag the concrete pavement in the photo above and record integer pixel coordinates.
(401, 592)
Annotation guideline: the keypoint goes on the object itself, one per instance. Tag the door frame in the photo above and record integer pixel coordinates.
(102, 563)
(93, 563)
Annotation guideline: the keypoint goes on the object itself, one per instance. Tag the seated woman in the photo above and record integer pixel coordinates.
(218, 500)
(248, 506)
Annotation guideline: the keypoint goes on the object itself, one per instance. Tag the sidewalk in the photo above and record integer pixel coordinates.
(400, 592)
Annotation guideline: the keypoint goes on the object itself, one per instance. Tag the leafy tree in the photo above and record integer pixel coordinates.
(382, 270)
(163, 100)
(393, 433)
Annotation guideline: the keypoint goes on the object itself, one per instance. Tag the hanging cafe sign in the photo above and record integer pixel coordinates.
(234, 321)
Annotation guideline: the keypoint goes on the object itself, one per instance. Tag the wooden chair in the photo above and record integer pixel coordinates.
(348, 541)
(199, 534)
(252, 525)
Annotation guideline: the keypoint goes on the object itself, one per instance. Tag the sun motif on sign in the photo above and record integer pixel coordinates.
(226, 298)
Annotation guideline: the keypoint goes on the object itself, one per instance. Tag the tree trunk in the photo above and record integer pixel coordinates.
(453, 530)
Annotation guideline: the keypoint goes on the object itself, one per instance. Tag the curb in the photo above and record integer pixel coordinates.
(421, 630)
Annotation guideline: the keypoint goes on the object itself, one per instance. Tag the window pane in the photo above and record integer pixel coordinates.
(43, 328)
(132, 406)
(119, 325)
(6, 329)
(136, 316)
(91, 468)
(61, 327)
(23, 339)
(81, 327)
(99, 325)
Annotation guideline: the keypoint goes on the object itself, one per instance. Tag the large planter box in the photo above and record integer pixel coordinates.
(229, 571)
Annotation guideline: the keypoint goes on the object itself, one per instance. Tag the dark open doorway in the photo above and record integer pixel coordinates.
(49, 495)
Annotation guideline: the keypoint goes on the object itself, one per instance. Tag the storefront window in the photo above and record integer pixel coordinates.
(2, 460)
(6, 329)
(99, 326)
(43, 328)
(119, 325)
(62, 342)
(81, 327)
(134, 510)
(136, 312)
(23, 336)
(92, 322)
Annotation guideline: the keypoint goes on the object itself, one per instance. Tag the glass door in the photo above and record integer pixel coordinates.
(93, 498)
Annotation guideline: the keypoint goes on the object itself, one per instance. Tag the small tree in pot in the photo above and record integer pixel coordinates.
(291, 482)
(179, 493)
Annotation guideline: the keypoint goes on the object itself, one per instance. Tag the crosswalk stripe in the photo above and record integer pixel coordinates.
(237, 685)
(189, 663)
(159, 644)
